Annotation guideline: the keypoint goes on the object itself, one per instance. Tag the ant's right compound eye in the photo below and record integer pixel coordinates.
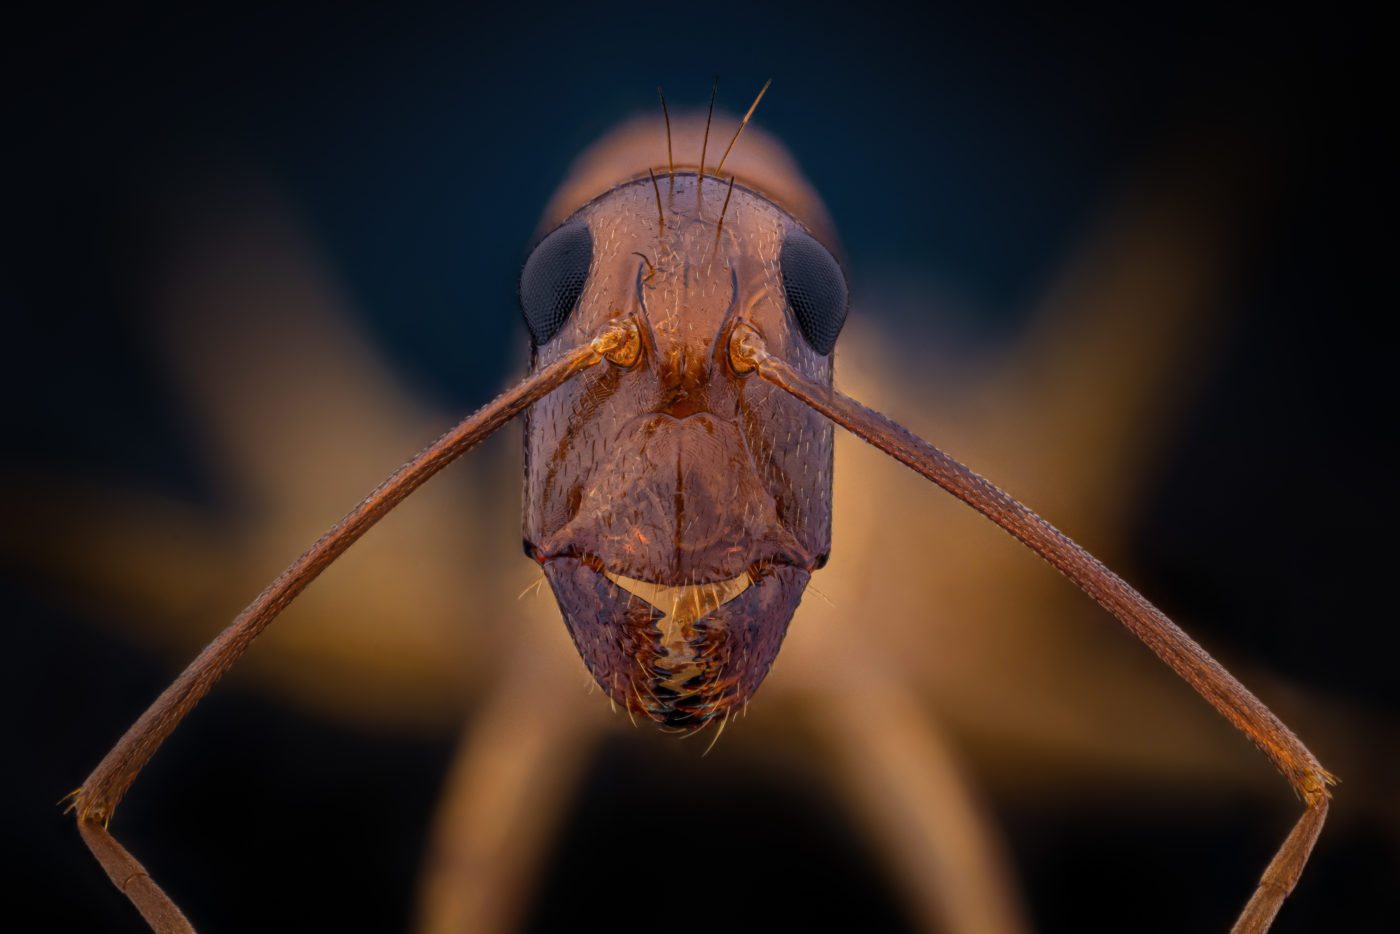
(553, 280)
(816, 289)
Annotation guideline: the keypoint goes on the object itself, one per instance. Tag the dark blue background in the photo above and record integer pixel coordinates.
(965, 150)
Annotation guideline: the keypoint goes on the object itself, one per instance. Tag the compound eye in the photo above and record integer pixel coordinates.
(816, 289)
(553, 280)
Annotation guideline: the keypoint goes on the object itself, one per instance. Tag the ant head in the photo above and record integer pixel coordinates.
(677, 507)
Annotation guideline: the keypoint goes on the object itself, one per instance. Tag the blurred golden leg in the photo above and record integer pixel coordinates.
(506, 795)
(906, 781)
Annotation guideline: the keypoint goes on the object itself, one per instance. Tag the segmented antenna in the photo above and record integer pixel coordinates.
(742, 123)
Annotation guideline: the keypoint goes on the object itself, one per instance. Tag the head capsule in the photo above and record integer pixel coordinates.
(678, 507)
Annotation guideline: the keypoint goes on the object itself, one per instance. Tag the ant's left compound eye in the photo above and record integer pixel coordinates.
(553, 280)
(816, 289)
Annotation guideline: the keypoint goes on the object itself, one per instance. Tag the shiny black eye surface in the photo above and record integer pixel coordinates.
(553, 280)
(816, 289)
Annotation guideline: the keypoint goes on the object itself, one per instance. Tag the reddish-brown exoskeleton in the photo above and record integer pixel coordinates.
(678, 465)
(678, 506)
